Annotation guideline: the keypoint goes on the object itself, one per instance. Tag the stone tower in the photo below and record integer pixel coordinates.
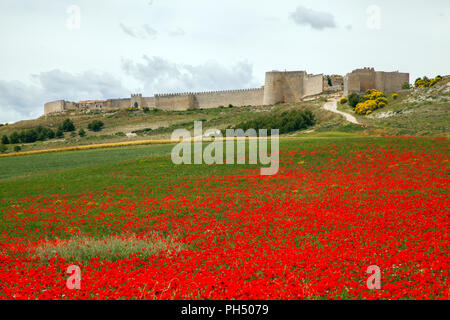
(290, 86)
(137, 101)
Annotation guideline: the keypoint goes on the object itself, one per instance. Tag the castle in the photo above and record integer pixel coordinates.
(280, 87)
(361, 80)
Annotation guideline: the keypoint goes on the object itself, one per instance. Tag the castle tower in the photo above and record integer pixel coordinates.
(273, 88)
(137, 101)
(290, 86)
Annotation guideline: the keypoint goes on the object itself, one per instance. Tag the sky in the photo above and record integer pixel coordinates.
(83, 49)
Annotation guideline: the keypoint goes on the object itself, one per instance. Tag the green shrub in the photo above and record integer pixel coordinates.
(354, 99)
(286, 122)
(68, 126)
(59, 133)
(5, 139)
(3, 148)
(343, 100)
(406, 86)
(82, 133)
(96, 126)
(14, 138)
(17, 149)
(395, 96)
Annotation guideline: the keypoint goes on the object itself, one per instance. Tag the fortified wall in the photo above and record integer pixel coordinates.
(280, 87)
(361, 80)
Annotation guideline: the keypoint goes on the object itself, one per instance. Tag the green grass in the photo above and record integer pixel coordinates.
(46, 163)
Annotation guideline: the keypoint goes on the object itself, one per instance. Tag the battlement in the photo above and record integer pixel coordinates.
(180, 94)
(229, 91)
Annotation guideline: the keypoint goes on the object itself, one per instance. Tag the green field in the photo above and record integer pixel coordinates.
(78, 171)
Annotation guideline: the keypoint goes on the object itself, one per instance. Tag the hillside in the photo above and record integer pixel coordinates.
(418, 112)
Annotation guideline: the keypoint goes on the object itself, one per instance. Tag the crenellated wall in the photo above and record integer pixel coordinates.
(238, 98)
(175, 102)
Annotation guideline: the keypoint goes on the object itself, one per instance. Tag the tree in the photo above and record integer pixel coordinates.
(82, 133)
(5, 139)
(14, 138)
(50, 134)
(30, 136)
(96, 126)
(17, 148)
(406, 86)
(59, 133)
(68, 126)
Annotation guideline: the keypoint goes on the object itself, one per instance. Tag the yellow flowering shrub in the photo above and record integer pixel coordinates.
(363, 107)
(372, 101)
(343, 100)
(426, 83)
(395, 96)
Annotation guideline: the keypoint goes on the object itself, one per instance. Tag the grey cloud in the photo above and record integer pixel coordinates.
(143, 32)
(19, 101)
(316, 19)
(128, 30)
(161, 76)
(150, 31)
(54, 85)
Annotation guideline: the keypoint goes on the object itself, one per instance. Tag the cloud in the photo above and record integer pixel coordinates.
(142, 32)
(316, 19)
(178, 32)
(127, 30)
(21, 101)
(152, 33)
(162, 76)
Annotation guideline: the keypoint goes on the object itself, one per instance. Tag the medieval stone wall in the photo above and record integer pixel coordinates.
(54, 107)
(312, 85)
(175, 102)
(115, 104)
(361, 80)
(149, 102)
(238, 98)
(390, 81)
(280, 87)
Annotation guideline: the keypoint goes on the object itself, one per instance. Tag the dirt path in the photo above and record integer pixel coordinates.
(332, 106)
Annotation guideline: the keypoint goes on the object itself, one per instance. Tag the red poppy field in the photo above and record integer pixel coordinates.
(144, 228)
